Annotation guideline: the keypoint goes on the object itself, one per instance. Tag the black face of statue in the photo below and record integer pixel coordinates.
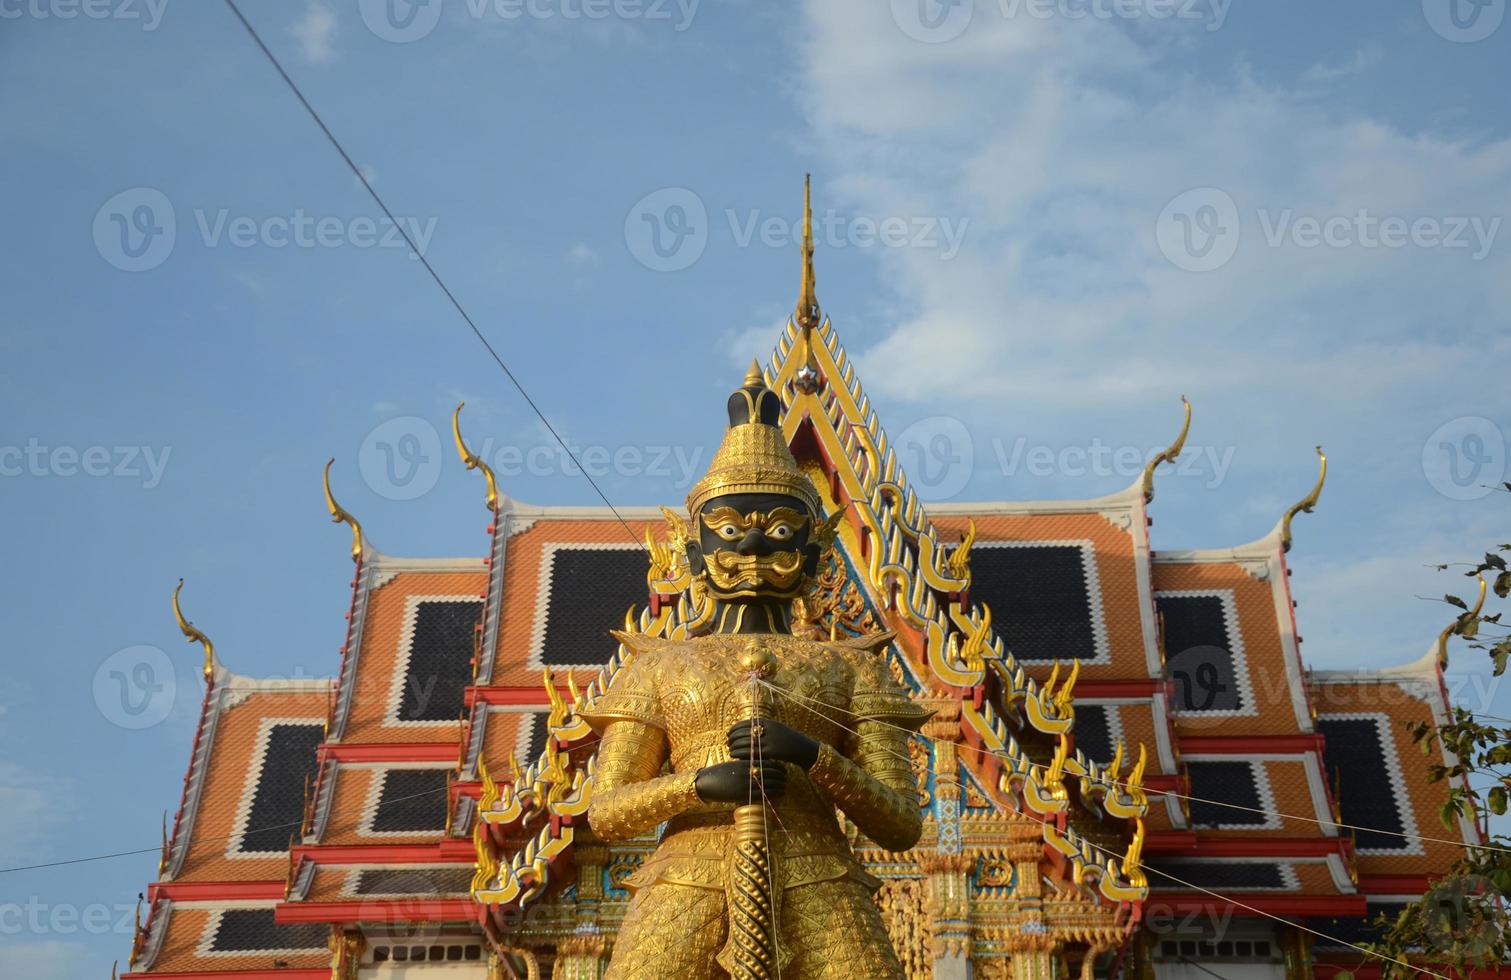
(754, 545)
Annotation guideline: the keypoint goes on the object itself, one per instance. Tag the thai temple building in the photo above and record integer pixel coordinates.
(1129, 772)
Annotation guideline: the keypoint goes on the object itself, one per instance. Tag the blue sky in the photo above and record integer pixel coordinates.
(1038, 230)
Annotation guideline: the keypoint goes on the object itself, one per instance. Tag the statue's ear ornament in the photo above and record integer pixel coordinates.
(825, 530)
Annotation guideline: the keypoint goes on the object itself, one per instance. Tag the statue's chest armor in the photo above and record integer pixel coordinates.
(703, 691)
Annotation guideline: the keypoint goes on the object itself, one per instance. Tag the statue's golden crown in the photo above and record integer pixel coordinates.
(753, 458)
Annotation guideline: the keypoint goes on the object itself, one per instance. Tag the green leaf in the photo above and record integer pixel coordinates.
(1503, 584)
(1454, 600)
(1498, 800)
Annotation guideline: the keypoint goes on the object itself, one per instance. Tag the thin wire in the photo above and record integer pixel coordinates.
(220, 837)
(1180, 796)
(1206, 891)
(199, 840)
(1203, 969)
(357, 172)
(1276, 918)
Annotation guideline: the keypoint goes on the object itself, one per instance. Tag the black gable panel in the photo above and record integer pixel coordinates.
(1348, 932)
(1355, 758)
(1179, 875)
(536, 723)
(590, 589)
(1199, 654)
(440, 660)
(278, 801)
(1230, 783)
(420, 881)
(1037, 594)
(253, 930)
(1093, 732)
(412, 800)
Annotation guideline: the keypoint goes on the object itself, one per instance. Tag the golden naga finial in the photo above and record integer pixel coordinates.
(1135, 783)
(1305, 504)
(138, 938)
(1169, 455)
(1064, 698)
(807, 313)
(489, 795)
(663, 559)
(1133, 861)
(162, 859)
(1459, 624)
(485, 864)
(972, 653)
(1054, 773)
(558, 715)
(959, 562)
(192, 634)
(473, 461)
(339, 514)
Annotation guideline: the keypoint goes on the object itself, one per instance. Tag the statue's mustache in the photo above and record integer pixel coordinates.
(728, 569)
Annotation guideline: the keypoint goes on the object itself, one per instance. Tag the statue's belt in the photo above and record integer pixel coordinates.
(806, 847)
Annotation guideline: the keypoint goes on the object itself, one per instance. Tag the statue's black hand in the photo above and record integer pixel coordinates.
(776, 741)
(741, 782)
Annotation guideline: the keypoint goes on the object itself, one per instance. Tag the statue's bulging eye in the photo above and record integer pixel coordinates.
(728, 532)
(780, 532)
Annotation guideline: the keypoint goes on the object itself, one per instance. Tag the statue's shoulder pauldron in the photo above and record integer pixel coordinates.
(634, 693)
(876, 694)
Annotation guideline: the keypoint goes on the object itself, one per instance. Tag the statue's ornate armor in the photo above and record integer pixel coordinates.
(667, 714)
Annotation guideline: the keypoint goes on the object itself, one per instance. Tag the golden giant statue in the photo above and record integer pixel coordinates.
(744, 742)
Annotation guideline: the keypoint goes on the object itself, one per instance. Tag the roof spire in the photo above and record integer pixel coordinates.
(192, 634)
(1168, 456)
(473, 461)
(339, 514)
(1459, 625)
(1305, 504)
(807, 313)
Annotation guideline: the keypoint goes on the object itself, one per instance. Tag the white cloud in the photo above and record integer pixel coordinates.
(26, 799)
(314, 31)
(583, 255)
(1062, 142)
(1364, 59)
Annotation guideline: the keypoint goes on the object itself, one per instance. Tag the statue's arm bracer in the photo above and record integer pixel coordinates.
(874, 785)
(630, 796)
(872, 780)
